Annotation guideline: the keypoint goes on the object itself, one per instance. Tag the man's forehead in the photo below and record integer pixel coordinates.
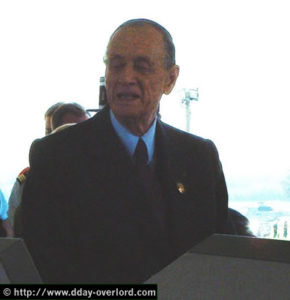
(136, 39)
(138, 58)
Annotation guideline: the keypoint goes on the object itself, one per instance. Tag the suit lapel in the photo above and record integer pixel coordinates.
(171, 171)
(182, 189)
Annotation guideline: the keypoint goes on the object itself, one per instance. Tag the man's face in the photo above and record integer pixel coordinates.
(48, 125)
(136, 76)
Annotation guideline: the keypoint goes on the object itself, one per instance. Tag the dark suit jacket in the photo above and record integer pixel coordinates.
(84, 219)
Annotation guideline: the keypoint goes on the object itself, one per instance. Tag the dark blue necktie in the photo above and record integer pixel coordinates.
(141, 156)
(148, 181)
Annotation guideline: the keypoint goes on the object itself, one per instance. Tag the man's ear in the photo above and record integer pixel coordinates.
(172, 75)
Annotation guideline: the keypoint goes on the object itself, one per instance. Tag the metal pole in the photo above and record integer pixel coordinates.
(188, 114)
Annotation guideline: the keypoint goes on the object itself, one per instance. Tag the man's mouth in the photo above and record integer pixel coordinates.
(127, 96)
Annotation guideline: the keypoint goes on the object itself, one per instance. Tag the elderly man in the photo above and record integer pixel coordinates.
(125, 194)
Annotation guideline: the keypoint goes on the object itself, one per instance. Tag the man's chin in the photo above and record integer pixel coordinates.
(125, 111)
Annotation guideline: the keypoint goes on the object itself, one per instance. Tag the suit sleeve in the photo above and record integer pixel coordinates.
(40, 216)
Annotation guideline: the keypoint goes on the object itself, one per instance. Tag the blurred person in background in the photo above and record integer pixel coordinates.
(58, 114)
(48, 115)
(68, 113)
(5, 228)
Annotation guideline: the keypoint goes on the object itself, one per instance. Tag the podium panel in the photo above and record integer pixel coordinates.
(224, 267)
(16, 265)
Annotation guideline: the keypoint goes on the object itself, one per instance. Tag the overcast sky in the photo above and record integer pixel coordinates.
(236, 52)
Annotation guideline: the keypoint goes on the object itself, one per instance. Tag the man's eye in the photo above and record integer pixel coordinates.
(116, 65)
(143, 67)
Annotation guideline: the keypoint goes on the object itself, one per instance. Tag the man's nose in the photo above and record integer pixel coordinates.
(128, 74)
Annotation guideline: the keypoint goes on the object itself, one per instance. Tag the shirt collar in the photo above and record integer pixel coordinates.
(130, 140)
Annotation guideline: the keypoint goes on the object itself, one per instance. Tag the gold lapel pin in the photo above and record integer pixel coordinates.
(180, 187)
